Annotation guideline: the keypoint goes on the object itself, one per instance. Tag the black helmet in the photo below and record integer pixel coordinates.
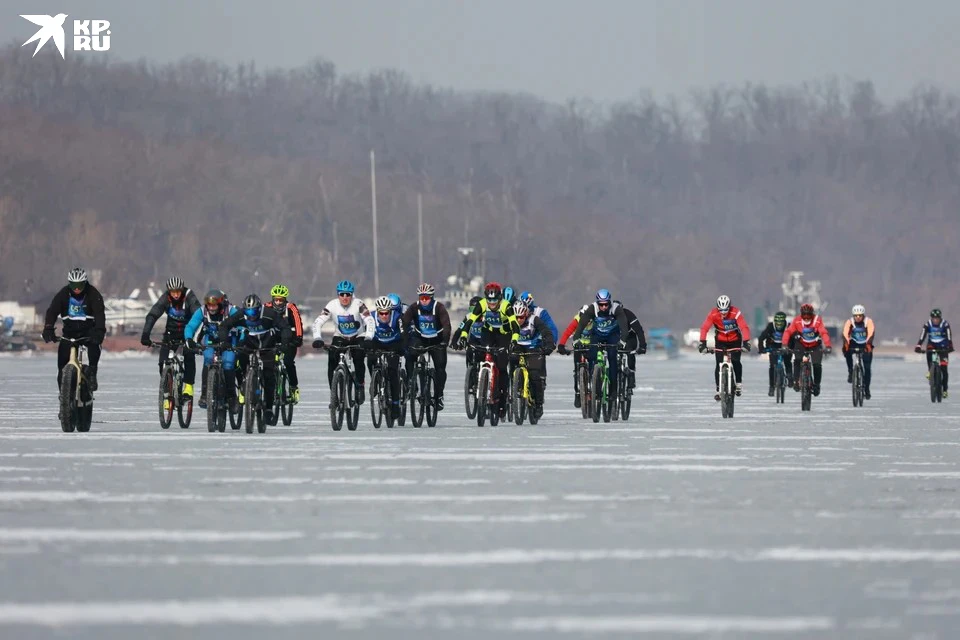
(252, 306)
(936, 313)
(779, 319)
(214, 296)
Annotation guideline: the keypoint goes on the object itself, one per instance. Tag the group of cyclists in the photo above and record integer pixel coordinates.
(499, 322)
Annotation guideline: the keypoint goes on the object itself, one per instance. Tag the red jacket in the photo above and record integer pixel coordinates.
(811, 333)
(729, 328)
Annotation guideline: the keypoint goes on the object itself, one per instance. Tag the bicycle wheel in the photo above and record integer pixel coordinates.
(417, 400)
(483, 390)
(806, 388)
(430, 396)
(469, 397)
(213, 398)
(731, 393)
(165, 398)
(596, 395)
(352, 409)
(936, 383)
(338, 396)
(68, 399)
(857, 386)
(724, 392)
(236, 417)
(620, 391)
(519, 402)
(583, 382)
(251, 386)
(607, 399)
(780, 382)
(386, 400)
(184, 409)
(376, 399)
(402, 420)
(286, 409)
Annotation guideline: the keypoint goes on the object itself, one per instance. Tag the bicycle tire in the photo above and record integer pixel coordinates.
(430, 395)
(68, 399)
(213, 399)
(724, 392)
(596, 395)
(337, 398)
(376, 399)
(387, 400)
(417, 406)
(184, 408)
(519, 402)
(584, 383)
(402, 420)
(483, 386)
(252, 384)
(806, 388)
(780, 382)
(857, 387)
(353, 407)
(84, 418)
(469, 399)
(286, 409)
(607, 399)
(165, 395)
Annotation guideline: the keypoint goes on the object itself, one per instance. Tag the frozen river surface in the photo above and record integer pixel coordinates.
(840, 523)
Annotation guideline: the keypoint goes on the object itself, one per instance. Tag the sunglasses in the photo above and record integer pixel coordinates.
(603, 304)
(384, 314)
(344, 294)
(426, 298)
(251, 313)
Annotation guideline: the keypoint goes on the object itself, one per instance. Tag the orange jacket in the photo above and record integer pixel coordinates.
(861, 334)
(811, 333)
(729, 328)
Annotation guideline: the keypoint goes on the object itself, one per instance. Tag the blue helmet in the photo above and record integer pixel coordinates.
(345, 286)
(527, 297)
(508, 294)
(395, 299)
(603, 295)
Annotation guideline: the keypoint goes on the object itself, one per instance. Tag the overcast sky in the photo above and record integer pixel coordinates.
(605, 50)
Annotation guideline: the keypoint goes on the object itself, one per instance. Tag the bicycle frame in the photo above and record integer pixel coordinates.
(77, 351)
(727, 380)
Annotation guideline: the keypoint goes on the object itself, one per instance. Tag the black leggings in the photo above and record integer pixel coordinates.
(439, 357)
(393, 349)
(290, 362)
(816, 357)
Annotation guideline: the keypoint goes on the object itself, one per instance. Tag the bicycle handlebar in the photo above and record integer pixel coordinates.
(81, 340)
(723, 350)
(433, 347)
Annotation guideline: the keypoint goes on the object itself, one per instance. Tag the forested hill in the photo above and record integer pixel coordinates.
(238, 177)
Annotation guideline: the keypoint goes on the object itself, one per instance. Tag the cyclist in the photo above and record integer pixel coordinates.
(428, 324)
(179, 304)
(79, 306)
(810, 334)
(541, 313)
(387, 336)
(475, 339)
(263, 327)
(771, 339)
(534, 337)
(203, 332)
(938, 335)
(582, 343)
(636, 344)
(730, 332)
(608, 329)
(278, 300)
(858, 331)
(397, 303)
(499, 329)
(353, 324)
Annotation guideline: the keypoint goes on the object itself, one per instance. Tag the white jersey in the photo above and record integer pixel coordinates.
(353, 321)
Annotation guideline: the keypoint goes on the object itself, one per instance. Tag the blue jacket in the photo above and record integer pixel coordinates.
(202, 328)
(544, 315)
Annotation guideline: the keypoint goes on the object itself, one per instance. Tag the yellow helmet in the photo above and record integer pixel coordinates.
(279, 291)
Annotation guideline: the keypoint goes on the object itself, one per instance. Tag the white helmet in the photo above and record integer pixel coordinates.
(723, 303)
(76, 275)
(859, 310)
(520, 308)
(383, 303)
(426, 289)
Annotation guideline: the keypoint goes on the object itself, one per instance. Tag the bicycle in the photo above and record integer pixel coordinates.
(283, 398)
(581, 379)
(487, 396)
(601, 398)
(171, 387)
(938, 360)
(381, 398)
(423, 387)
(521, 398)
(624, 397)
(253, 407)
(217, 404)
(343, 390)
(857, 375)
(76, 399)
(727, 380)
(805, 362)
(779, 376)
(470, 387)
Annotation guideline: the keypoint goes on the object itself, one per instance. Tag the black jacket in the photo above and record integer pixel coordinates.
(591, 313)
(262, 332)
(411, 317)
(82, 316)
(636, 328)
(770, 338)
(177, 316)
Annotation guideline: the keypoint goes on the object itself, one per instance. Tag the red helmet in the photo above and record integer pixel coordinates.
(493, 291)
(806, 311)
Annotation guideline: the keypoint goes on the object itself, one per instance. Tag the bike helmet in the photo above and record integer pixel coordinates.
(527, 297)
(806, 311)
(383, 303)
(493, 292)
(508, 294)
(215, 296)
(395, 299)
(345, 286)
(426, 290)
(858, 310)
(936, 313)
(723, 303)
(175, 284)
(76, 275)
(779, 320)
(520, 309)
(279, 291)
(252, 306)
(603, 295)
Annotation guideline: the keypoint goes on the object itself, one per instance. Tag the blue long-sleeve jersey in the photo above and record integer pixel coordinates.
(544, 315)
(203, 326)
